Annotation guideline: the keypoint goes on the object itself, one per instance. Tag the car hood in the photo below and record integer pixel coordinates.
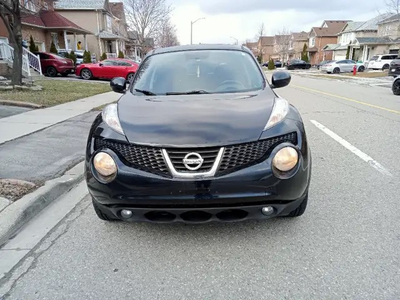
(195, 120)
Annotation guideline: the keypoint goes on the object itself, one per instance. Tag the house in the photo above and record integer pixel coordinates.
(133, 48)
(266, 46)
(281, 47)
(319, 37)
(361, 39)
(296, 44)
(110, 33)
(253, 46)
(45, 25)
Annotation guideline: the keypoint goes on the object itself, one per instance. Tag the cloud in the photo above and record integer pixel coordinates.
(241, 6)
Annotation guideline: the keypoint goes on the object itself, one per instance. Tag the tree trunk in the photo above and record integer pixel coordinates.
(16, 38)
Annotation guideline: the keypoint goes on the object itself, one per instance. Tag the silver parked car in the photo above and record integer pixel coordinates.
(342, 66)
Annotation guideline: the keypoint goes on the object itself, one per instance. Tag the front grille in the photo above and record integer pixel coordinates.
(235, 157)
(177, 155)
(243, 155)
(144, 158)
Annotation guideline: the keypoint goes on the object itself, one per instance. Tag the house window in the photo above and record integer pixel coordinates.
(312, 41)
(108, 23)
(54, 38)
(28, 4)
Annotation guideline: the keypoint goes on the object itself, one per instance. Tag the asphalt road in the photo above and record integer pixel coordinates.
(346, 246)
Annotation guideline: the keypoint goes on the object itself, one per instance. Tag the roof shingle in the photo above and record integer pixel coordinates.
(80, 4)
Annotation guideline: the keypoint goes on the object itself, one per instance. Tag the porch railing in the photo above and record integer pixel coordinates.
(29, 60)
(112, 55)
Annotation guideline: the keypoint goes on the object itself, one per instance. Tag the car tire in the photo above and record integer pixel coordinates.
(299, 210)
(86, 74)
(51, 72)
(102, 216)
(361, 69)
(336, 71)
(385, 67)
(396, 88)
(130, 76)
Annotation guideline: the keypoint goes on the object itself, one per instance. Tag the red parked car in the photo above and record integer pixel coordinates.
(53, 64)
(108, 69)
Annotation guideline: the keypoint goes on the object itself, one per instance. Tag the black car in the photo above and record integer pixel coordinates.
(211, 142)
(278, 64)
(394, 68)
(297, 64)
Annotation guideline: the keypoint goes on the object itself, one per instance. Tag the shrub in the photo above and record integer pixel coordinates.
(72, 56)
(271, 64)
(304, 54)
(32, 46)
(259, 59)
(53, 48)
(103, 56)
(121, 54)
(87, 57)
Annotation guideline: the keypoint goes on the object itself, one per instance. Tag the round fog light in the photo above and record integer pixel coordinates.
(104, 164)
(285, 159)
(267, 211)
(126, 214)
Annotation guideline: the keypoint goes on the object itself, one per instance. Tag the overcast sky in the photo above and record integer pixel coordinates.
(241, 20)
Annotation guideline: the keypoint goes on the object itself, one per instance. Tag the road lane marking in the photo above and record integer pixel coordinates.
(373, 163)
(347, 99)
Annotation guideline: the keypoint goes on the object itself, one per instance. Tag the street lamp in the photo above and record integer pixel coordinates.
(237, 41)
(191, 29)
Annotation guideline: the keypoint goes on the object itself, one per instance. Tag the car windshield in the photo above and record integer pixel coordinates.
(200, 71)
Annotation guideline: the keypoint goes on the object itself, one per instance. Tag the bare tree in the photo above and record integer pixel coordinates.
(260, 34)
(393, 6)
(147, 18)
(167, 36)
(282, 43)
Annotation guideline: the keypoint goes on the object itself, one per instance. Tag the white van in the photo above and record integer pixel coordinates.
(381, 62)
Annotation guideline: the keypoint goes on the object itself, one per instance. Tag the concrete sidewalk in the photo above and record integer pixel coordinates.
(14, 127)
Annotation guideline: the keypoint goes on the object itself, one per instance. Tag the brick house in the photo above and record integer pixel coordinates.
(364, 39)
(253, 46)
(296, 44)
(319, 37)
(40, 21)
(266, 46)
(106, 20)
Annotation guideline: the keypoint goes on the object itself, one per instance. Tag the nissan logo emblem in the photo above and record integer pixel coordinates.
(193, 161)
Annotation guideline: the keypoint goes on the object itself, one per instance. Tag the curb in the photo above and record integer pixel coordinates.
(16, 215)
(21, 104)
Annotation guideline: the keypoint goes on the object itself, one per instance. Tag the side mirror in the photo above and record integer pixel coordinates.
(118, 85)
(280, 79)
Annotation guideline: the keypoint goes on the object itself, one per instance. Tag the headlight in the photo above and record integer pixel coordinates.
(110, 116)
(104, 164)
(279, 112)
(285, 159)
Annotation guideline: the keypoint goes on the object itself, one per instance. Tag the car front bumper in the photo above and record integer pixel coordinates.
(239, 195)
(394, 71)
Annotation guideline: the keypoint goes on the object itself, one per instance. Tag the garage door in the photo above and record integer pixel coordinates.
(339, 55)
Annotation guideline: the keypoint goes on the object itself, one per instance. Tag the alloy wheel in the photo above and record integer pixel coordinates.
(86, 74)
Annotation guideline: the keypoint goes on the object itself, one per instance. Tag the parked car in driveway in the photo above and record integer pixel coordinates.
(52, 64)
(297, 64)
(342, 66)
(278, 64)
(381, 62)
(78, 53)
(394, 69)
(213, 142)
(108, 69)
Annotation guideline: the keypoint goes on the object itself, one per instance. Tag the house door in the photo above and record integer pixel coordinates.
(109, 47)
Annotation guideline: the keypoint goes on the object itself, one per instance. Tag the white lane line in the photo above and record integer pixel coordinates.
(373, 163)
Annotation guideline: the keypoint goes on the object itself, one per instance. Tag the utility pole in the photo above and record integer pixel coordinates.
(191, 29)
(237, 41)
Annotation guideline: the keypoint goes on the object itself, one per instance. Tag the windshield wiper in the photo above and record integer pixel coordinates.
(188, 93)
(147, 93)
